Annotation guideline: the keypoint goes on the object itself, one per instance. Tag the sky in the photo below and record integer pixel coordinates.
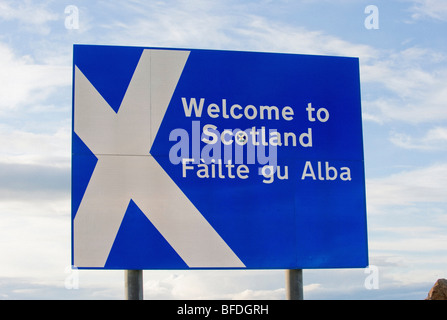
(403, 69)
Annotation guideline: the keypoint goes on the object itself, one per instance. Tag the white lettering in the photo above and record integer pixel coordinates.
(329, 173)
(215, 170)
(213, 108)
(194, 310)
(268, 172)
(193, 105)
(326, 115)
(269, 110)
(210, 134)
(287, 113)
(247, 113)
(185, 167)
(236, 111)
(247, 309)
(311, 172)
(307, 136)
(222, 137)
(346, 174)
(321, 118)
(234, 106)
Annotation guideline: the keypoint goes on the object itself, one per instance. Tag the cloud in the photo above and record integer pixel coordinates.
(408, 86)
(429, 9)
(403, 72)
(248, 294)
(406, 210)
(435, 139)
(38, 182)
(215, 284)
(34, 237)
(44, 148)
(32, 17)
(24, 82)
(183, 25)
(408, 187)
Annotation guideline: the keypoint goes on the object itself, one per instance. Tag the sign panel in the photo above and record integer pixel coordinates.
(216, 159)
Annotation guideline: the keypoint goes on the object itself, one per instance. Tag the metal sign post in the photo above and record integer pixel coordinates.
(294, 284)
(133, 284)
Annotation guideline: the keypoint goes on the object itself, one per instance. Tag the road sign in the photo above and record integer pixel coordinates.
(216, 159)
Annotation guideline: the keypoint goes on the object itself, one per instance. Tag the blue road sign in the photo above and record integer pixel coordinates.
(216, 159)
